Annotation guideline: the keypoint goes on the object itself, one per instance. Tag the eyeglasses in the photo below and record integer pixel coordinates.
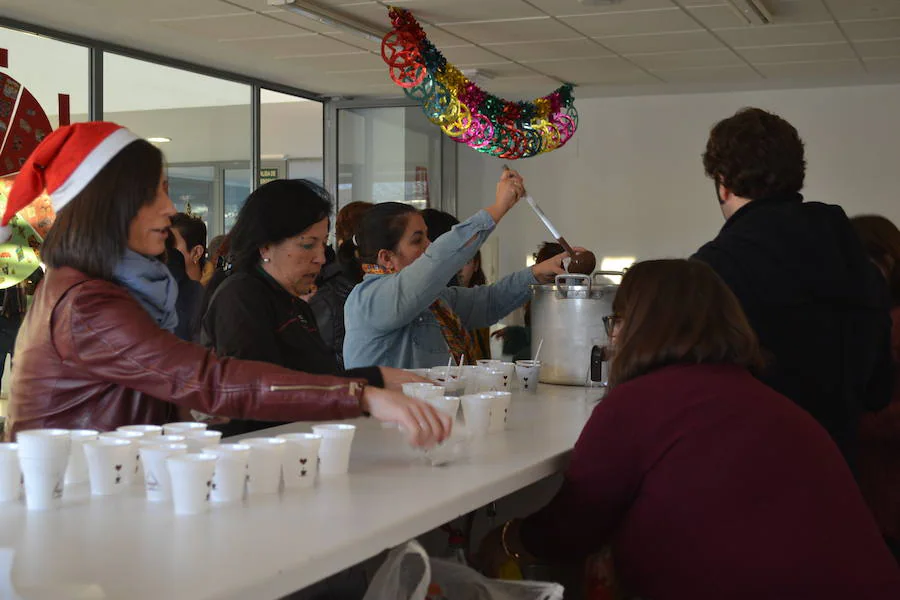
(610, 322)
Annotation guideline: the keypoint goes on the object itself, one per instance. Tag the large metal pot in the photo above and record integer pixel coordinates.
(568, 316)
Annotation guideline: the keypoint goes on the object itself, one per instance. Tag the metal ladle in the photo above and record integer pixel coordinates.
(582, 262)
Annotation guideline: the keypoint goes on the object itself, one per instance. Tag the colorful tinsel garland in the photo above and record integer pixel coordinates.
(464, 111)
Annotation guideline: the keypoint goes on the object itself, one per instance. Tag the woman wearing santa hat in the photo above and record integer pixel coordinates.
(95, 350)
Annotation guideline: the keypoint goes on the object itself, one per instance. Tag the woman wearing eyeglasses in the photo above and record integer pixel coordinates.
(704, 482)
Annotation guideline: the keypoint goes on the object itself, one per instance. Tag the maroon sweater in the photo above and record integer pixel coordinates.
(709, 484)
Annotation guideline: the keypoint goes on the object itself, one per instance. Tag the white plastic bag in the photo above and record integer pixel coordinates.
(409, 574)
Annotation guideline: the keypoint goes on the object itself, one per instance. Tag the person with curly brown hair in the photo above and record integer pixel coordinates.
(818, 305)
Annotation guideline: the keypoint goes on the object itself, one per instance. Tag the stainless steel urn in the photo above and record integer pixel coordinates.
(568, 316)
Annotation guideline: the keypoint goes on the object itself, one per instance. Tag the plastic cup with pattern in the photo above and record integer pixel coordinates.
(528, 373)
(154, 453)
(265, 464)
(108, 460)
(334, 453)
(136, 472)
(191, 476)
(300, 461)
(43, 457)
(230, 475)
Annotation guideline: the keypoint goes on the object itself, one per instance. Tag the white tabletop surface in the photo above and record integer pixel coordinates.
(126, 548)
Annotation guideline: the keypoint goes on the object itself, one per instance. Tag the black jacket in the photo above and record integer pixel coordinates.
(328, 306)
(190, 298)
(818, 305)
(252, 317)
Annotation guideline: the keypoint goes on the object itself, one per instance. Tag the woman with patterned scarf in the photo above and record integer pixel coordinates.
(403, 314)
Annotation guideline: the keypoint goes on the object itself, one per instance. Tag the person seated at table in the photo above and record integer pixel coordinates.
(190, 292)
(190, 239)
(277, 249)
(337, 279)
(878, 463)
(94, 350)
(403, 314)
(706, 482)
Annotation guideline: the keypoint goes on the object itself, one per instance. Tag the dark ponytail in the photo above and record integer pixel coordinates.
(381, 228)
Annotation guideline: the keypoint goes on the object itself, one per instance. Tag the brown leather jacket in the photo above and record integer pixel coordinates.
(89, 356)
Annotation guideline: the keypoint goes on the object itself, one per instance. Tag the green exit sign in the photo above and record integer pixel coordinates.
(267, 175)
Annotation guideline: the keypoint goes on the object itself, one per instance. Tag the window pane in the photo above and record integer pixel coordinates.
(290, 137)
(388, 155)
(39, 70)
(205, 120)
(237, 188)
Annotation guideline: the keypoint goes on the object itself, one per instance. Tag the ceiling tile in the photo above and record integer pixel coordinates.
(879, 49)
(528, 87)
(521, 51)
(805, 52)
(883, 65)
(733, 74)
(336, 62)
(442, 38)
(718, 17)
(781, 35)
(247, 25)
(665, 42)
(686, 60)
(500, 69)
(560, 8)
(461, 11)
(863, 9)
(633, 23)
(886, 29)
(535, 30)
(585, 71)
(691, 3)
(801, 70)
(263, 5)
(470, 55)
(300, 21)
(356, 41)
(163, 9)
(296, 45)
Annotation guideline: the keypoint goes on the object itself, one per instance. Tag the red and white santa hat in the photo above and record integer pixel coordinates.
(64, 163)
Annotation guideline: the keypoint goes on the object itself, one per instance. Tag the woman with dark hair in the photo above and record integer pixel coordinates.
(94, 350)
(706, 483)
(337, 279)
(277, 248)
(878, 463)
(403, 314)
(190, 240)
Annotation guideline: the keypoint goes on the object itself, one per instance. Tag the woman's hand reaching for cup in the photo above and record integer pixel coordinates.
(424, 425)
(547, 271)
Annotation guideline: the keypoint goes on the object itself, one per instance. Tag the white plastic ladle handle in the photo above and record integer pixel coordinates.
(537, 210)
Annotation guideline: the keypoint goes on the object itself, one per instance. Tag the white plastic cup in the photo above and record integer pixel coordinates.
(201, 439)
(334, 453)
(489, 380)
(43, 457)
(422, 391)
(477, 412)
(108, 460)
(136, 472)
(157, 483)
(191, 476)
(77, 469)
(165, 439)
(528, 372)
(148, 431)
(446, 404)
(469, 376)
(499, 410)
(488, 363)
(299, 463)
(265, 464)
(10, 473)
(181, 426)
(230, 475)
(509, 373)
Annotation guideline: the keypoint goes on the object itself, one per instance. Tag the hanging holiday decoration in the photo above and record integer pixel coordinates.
(465, 112)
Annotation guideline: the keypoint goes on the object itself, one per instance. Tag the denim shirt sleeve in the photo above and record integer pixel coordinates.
(484, 305)
(392, 301)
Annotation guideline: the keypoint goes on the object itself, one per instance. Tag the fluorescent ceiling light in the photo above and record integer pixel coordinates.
(754, 12)
(159, 140)
(330, 17)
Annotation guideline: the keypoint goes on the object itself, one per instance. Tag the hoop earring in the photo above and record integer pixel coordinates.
(265, 260)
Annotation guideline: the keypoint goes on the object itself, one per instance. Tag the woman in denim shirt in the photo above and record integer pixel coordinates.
(403, 314)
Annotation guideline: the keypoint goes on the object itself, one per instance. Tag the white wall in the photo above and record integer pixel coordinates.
(631, 181)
